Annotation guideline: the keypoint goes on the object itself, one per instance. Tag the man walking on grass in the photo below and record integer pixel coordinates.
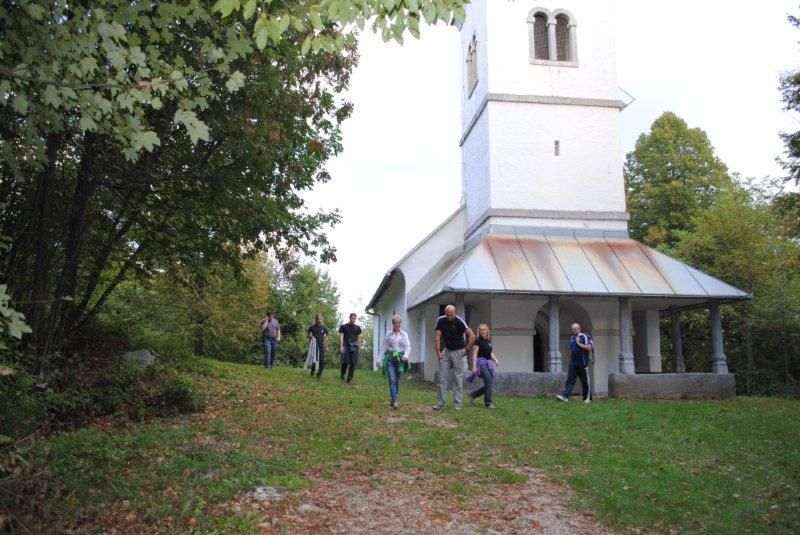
(319, 333)
(580, 345)
(452, 330)
(350, 338)
(271, 331)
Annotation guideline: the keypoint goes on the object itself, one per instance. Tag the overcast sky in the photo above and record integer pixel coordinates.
(715, 63)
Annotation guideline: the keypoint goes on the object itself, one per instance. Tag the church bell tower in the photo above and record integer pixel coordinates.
(540, 117)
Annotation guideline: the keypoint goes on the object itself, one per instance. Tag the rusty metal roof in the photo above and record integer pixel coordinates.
(568, 263)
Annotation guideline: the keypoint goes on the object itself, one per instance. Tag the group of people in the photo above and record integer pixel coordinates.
(454, 341)
(351, 340)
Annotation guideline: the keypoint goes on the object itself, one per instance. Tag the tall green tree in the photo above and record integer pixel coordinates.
(298, 295)
(787, 205)
(738, 239)
(86, 89)
(671, 175)
(790, 94)
(197, 205)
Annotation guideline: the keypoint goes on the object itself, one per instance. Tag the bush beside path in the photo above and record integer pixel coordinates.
(277, 452)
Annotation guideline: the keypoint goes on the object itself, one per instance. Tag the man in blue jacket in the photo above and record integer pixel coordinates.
(580, 345)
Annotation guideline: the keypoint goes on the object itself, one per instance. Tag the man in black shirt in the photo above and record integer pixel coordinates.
(452, 330)
(320, 334)
(349, 344)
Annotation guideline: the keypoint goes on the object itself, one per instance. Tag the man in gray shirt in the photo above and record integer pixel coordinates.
(272, 335)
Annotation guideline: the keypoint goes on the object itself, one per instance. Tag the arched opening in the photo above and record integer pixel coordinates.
(541, 44)
(563, 39)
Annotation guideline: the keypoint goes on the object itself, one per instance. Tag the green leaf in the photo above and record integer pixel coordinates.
(87, 124)
(88, 64)
(145, 140)
(235, 82)
(51, 96)
(306, 46)
(20, 104)
(249, 9)
(429, 13)
(35, 11)
(316, 20)
(196, 128)
(226, 7)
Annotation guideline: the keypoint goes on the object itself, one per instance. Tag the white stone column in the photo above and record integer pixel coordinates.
(677, 346)
(625, 341)
(422, 337)
(554, 357)
(719, 362)
(551, 39)
(459, 304)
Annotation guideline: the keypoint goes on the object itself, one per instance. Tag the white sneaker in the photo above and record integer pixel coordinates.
(587, 400)
(561, 398)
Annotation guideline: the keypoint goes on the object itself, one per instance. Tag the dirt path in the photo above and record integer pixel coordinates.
(406, 503)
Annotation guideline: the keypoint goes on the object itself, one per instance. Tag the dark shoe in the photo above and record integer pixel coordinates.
(561, 398)
(438, 407)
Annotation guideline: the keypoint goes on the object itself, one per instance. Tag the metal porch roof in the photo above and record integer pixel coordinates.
(564, 264)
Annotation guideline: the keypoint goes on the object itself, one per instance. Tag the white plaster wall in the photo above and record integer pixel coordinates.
(647, 341)
(526, 174)
(392, 302)
(423, 257)
(510, 70)
(605, 334)
(512, 325)
(475, 170)
(474, 24)
(431, 360)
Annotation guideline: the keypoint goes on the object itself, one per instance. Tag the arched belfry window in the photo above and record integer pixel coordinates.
(472, 65)
(562, 38)
(540, 41)
(552, 37)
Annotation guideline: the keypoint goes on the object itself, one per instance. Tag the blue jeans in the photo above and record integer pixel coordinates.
(577, 371)
(393, 371)
(486, 389)
(270, 348)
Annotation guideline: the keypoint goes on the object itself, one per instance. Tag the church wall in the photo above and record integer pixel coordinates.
(427, 253)
(526, 173)
(474, 25)
(604, 316)
(392, 302)
(475, 171)
(508, 52)
(512, 325)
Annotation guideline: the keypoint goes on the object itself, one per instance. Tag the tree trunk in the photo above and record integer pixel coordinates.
(76, 226)
(40, 295)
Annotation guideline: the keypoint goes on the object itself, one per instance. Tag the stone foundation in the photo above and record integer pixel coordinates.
(672, 385)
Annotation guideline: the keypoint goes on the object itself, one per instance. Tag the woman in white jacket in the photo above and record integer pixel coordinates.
(396, 349)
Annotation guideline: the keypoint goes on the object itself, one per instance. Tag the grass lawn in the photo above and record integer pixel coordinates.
(711, 466)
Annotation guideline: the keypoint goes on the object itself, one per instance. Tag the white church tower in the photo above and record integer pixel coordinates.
(540, 116)
(540, 240)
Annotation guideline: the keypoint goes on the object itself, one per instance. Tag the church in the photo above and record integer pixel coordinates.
(540, 240)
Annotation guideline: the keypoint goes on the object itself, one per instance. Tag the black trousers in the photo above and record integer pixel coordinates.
(321, 363)
(349, 362)
(577, 371)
